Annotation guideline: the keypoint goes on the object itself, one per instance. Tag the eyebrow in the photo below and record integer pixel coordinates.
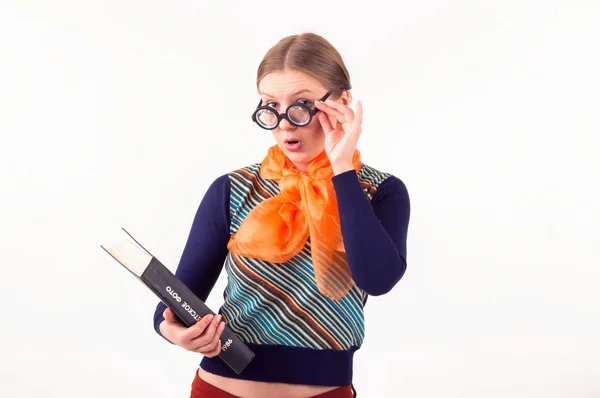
(293, 95)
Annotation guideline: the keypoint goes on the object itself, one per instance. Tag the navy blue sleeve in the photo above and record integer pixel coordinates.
(374, 232)
(206, 247)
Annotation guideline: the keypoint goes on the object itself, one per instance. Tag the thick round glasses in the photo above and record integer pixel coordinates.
(298, 114)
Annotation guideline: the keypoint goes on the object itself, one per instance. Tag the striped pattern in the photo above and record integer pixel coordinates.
(280, 304)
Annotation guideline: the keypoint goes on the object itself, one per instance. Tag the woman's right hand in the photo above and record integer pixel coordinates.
(202, 337)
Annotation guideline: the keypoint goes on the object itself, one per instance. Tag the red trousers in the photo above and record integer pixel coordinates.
(202, 389)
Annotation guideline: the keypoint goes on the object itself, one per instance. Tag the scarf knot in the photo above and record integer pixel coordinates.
(278, 227)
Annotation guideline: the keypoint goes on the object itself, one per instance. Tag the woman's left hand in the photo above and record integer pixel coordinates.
(340, 142)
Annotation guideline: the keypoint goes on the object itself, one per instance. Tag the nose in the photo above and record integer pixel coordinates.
(286, 125)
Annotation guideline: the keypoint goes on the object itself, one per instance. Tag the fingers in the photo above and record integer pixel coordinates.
(214, 352)
(344, 109)
(329, 108)
(202, 337)
(342, 112)
(196, 330)
(325, 123)
(208, 334)
(213, 347)
(356, 126)
(359, 113)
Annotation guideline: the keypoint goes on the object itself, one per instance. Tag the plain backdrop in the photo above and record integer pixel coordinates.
(121, 113)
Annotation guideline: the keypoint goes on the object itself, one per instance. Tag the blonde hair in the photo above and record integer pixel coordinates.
(309, 53)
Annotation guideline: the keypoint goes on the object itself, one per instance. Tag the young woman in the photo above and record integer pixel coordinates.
(305, 237)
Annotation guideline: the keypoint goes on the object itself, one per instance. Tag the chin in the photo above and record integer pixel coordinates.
(299, 157)
(296, 157)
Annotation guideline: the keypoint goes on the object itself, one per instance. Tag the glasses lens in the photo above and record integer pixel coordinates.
(299, 115)
(266, 118)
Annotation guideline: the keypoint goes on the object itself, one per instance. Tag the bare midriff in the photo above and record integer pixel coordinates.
(259, 389)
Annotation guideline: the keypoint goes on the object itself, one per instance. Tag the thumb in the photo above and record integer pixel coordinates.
(169, 316)
(335, 135)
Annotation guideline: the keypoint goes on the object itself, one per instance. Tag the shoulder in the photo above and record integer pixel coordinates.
(377, 183)
(248, 180)
(251, 169)
(217, 194)
(219, 184)
(246, 175)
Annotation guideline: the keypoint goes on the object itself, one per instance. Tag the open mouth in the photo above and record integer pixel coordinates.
(293, 145)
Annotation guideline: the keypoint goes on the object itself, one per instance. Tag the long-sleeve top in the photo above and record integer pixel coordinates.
(374, 210)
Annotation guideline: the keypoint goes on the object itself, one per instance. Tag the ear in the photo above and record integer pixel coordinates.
(346, 98)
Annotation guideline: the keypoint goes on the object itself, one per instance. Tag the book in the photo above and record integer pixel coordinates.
(175, 294)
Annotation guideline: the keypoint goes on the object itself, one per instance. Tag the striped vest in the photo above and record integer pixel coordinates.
(279, 303)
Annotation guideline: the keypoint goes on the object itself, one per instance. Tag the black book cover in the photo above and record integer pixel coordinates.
(177, 296)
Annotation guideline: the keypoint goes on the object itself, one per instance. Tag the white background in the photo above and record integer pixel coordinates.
(121, 113)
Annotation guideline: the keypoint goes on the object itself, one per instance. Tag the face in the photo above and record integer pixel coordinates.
(278, 90)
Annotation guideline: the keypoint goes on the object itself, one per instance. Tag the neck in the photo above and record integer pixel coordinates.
(301, 166)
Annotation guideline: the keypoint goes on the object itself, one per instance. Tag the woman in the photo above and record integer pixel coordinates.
(305, 237)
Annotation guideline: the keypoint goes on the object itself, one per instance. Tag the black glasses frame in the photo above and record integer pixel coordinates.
(311, 111)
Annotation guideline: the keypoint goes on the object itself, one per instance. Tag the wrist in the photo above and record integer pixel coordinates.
(339, 168)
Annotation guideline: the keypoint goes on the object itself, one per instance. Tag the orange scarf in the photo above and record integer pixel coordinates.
(278, 227)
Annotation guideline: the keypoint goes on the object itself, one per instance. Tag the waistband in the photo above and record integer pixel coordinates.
(203, 389)
(294, 365)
